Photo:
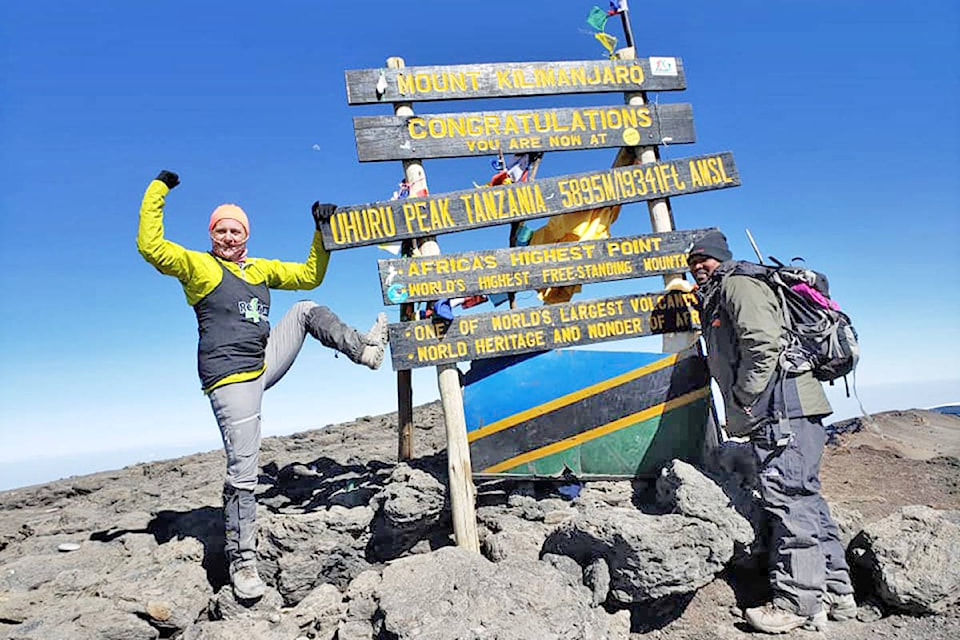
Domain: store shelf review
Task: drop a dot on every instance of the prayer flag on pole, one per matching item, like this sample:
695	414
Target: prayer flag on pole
607	40
597	18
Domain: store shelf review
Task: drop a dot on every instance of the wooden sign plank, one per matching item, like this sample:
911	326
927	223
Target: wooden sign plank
392	220
423	343
482	133
534	267
506	79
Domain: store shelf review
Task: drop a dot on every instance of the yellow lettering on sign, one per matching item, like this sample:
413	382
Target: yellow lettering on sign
615	328
670	262
566	335
586	272
425	332
363	224
552	254
632	246
682	319
440	288
544	77
438	82
492	204
450	264
565	141
521	319
416	128
442	351
518	78
623	74
483	145
708	171
510	342
595	120
591	310
642	303
717	171
504	280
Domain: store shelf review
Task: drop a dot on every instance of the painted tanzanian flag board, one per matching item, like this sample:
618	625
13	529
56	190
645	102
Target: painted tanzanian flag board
592	414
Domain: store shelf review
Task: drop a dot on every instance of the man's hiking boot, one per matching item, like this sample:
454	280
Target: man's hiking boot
247	584
374	342
840	606
772	619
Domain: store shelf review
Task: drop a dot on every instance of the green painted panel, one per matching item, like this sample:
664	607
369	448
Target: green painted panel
551	465
643	448
654	442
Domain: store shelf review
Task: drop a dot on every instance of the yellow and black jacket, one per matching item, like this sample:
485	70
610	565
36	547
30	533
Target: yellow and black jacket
232	303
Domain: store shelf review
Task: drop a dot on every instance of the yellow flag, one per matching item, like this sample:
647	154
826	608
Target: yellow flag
607	40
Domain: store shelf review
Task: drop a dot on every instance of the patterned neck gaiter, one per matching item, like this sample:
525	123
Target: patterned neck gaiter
233	253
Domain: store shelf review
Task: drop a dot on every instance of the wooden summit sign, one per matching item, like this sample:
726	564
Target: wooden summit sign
392	220
506	79
534	267
484	133
424	343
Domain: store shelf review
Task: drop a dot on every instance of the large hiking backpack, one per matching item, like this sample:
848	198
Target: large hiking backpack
820	338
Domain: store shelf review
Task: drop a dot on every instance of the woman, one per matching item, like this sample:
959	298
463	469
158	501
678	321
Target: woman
239	355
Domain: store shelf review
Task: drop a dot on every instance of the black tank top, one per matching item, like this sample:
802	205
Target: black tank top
233	325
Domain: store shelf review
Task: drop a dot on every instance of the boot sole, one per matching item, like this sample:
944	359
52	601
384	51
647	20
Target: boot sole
249	595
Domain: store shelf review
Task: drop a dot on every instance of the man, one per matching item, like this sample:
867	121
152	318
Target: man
781	414
240	355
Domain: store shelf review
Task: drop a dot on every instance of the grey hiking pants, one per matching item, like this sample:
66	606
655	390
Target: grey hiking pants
806	556
237	410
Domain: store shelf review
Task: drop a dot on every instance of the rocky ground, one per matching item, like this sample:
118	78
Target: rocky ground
355	546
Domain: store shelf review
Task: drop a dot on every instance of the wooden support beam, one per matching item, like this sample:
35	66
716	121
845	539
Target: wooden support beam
661	216
462	492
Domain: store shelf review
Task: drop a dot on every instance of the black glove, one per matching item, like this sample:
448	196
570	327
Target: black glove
322	212
168	178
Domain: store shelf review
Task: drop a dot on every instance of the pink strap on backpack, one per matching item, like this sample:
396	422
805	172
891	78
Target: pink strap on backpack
813	295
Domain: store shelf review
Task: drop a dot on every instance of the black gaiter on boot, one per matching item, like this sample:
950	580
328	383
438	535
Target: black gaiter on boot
240	520
324	325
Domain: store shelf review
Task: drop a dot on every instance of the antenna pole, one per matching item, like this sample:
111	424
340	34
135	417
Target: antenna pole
753	244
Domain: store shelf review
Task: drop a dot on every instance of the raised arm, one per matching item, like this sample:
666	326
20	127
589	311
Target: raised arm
168	257
308	274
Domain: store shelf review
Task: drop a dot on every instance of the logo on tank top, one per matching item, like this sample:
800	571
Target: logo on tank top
253	310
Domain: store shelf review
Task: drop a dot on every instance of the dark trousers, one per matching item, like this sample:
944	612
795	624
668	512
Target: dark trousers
806	556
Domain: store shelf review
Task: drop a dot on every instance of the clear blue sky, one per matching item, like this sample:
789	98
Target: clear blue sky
842	118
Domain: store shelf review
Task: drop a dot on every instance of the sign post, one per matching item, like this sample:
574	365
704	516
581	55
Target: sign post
412	171
448	380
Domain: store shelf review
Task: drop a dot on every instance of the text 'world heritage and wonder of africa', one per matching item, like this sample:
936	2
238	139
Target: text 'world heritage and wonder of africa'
488	335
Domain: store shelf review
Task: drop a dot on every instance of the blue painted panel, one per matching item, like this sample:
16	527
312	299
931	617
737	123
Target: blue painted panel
497	388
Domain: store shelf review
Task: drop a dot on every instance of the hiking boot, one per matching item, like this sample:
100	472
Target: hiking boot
377	335
371	356
772	619
817	622
374	342
247	584
840	606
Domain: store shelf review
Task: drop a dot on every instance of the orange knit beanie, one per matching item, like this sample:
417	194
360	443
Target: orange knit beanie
231	211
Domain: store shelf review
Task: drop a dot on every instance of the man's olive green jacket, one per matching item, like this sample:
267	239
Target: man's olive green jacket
744	330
